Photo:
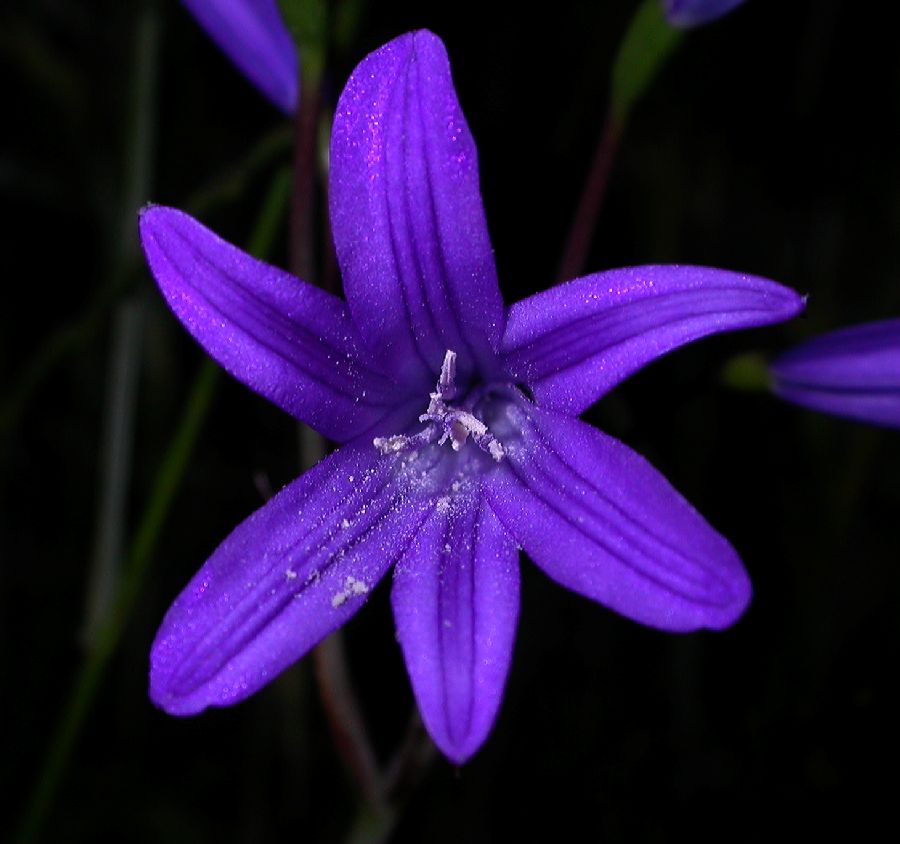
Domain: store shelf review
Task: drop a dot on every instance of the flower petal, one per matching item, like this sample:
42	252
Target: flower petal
294	571
291	342
456	602
253	35
573	343
685	13
599	519
853	372
406	212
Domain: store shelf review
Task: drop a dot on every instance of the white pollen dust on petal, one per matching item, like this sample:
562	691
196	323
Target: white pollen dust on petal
351	588
391	445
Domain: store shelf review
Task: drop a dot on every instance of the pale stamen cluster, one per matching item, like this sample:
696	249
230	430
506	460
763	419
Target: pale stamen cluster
451	423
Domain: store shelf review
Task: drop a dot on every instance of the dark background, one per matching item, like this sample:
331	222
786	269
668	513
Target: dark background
769	144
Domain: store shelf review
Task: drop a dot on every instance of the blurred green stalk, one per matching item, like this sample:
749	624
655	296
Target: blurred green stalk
123	368
109	635
165	488
647	44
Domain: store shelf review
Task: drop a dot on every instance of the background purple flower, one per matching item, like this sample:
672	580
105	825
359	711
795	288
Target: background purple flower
253	35
686	13
457	419
852	372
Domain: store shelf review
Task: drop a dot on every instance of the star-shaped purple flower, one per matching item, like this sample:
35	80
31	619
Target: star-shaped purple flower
852	372
253	35
457	420
687	13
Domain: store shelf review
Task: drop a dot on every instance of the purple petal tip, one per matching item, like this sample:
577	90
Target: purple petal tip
852	372
688	13
253	35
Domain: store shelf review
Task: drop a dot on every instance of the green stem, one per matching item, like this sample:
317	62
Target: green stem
162	496
231	184
109	635
116	449
125	349
645	47
262	240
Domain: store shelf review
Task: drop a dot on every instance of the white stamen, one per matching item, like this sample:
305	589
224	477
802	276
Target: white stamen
446	386
455	424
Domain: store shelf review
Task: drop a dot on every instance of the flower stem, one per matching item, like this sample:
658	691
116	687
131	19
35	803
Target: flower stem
345	719
375	824
303	198
231	184
109	635
125	349
165	488
646	45
410	761
581	232
117	444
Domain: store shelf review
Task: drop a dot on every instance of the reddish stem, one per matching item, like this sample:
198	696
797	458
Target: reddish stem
303	194
335	687
581	232
345	718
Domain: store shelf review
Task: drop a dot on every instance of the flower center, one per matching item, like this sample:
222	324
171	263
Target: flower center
445	422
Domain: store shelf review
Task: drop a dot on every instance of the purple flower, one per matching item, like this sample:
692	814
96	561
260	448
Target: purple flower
253	35
686	13
457	420
853	372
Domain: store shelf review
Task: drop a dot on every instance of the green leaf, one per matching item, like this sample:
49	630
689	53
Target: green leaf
747	372
307	21
648	42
